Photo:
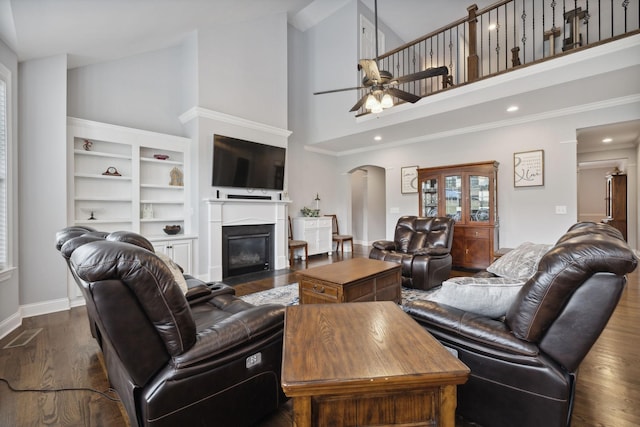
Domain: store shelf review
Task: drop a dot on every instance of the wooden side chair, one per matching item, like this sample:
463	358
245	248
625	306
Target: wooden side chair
337	237
296	244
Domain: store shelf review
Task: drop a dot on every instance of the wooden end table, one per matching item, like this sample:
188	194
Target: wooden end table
353	280
348	365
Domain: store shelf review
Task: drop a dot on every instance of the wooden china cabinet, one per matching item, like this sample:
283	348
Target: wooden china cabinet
468	193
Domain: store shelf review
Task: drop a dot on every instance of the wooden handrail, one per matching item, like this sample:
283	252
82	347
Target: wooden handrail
425	37
472	53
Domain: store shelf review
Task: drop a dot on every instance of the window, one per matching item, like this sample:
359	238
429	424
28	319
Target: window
4	176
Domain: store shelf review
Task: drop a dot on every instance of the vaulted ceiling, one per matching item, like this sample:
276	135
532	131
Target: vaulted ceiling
102	30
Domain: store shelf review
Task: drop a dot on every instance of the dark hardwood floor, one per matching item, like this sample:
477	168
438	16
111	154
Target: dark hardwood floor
64	355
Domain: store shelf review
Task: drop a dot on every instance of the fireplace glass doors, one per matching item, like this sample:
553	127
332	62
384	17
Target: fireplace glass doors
246	249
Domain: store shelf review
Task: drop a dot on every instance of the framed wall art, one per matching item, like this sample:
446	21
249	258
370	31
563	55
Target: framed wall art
409	179
528	169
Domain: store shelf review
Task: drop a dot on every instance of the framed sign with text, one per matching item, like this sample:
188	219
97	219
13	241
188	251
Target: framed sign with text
528	169
409	179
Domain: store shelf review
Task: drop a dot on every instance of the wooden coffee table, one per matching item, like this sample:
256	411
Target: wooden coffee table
366	364
354	280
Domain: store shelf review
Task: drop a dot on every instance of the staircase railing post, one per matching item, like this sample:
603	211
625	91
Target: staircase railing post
472	59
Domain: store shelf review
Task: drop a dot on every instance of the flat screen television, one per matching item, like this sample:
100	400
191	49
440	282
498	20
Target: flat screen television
246	164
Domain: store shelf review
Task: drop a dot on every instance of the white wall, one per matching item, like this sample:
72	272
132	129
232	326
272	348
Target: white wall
308	173
331	50
9	289
142	92
243	69
42	183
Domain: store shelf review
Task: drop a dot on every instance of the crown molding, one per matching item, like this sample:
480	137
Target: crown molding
78	122
204	113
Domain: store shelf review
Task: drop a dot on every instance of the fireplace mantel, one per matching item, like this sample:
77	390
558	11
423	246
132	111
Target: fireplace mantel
224	212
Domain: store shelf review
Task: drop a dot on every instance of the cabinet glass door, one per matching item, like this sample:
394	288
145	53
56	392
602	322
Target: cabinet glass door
479	203
430	197
453	196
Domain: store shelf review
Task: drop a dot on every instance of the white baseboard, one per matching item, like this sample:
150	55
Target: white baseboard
77	302
9	324
45	307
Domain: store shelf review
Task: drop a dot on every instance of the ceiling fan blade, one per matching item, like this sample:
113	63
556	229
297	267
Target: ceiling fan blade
338	90
370	68
429	72
360	103
405	96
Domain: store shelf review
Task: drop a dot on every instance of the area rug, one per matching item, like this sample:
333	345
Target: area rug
288	295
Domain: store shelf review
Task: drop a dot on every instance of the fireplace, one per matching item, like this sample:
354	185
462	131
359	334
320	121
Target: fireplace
223	212
246	249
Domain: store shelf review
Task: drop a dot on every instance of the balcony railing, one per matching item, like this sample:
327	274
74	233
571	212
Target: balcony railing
506	36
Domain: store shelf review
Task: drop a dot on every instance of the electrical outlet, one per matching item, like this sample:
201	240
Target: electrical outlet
394	210
561	210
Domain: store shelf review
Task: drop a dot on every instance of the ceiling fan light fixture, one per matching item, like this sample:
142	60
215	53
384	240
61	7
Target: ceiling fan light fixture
387	101
371	102
377	108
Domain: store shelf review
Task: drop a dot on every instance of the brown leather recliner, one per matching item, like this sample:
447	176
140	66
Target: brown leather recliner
524	368
201	358
423	247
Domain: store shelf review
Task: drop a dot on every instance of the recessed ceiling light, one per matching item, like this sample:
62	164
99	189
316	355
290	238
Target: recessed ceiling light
377	138
607	140
512	108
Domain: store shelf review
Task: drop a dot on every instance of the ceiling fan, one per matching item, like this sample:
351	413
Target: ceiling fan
381	83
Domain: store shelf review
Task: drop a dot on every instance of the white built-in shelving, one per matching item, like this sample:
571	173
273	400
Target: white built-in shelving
145	195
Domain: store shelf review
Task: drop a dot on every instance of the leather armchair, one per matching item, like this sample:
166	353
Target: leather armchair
201	358
423	247
524	367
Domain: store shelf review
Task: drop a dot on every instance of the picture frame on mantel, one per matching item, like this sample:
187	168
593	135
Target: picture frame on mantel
528	168
409	179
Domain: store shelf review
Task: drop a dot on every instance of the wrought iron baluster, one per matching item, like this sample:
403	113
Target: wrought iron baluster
524	33
506	39
533	30
599	20
497	41
586	21
413	68
625	4
482	47
611	18
450	58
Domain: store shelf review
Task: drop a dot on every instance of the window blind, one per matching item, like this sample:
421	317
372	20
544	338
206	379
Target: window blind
3	174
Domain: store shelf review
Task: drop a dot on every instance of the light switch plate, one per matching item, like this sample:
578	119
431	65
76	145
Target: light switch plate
561	210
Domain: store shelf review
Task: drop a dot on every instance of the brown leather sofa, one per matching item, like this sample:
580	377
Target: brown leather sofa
201	358
423	247
524	366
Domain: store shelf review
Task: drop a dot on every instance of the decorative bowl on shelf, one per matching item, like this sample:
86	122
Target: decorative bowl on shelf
160	156
172	229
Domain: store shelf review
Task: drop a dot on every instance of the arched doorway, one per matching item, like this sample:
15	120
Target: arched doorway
368	204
